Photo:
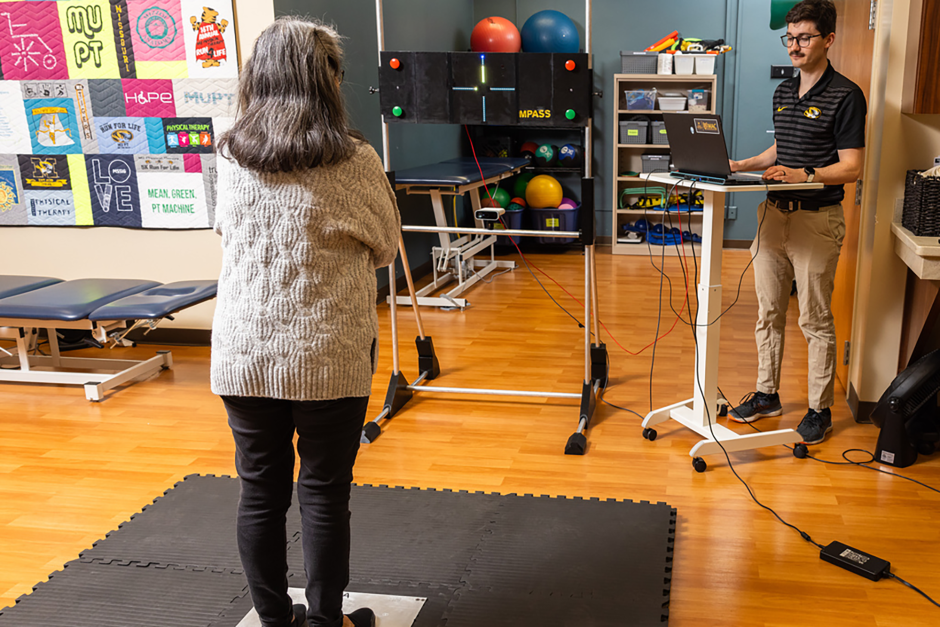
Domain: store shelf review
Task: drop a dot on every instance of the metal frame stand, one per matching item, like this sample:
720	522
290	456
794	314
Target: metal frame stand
400	391
96	383
454	260
460	251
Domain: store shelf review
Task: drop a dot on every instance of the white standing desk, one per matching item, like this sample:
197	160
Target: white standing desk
697	412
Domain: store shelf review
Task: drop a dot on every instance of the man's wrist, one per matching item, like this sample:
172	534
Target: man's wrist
810	174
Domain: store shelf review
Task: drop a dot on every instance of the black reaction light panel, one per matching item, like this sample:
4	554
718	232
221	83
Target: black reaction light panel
505	89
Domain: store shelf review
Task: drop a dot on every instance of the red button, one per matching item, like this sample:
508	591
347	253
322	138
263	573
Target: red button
394	64
569	65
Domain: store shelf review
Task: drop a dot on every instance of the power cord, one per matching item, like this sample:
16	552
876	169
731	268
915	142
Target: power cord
847	462
698	383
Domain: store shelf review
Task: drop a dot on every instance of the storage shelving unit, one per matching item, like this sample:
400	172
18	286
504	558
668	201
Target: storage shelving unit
627	157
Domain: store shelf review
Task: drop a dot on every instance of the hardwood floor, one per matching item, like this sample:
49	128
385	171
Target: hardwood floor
71	470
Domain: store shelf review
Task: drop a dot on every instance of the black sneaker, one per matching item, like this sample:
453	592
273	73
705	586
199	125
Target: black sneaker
755	406
363	617
299	619
815	426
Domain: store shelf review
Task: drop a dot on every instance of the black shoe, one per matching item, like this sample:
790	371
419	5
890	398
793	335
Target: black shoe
755	406
815	426
363	617
299	619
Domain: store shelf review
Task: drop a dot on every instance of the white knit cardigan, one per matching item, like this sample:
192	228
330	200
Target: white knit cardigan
295	317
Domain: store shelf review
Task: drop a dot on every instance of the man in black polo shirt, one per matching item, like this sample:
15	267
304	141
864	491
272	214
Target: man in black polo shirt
819	132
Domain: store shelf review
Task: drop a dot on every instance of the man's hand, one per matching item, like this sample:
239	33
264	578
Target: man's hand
735	165
785	174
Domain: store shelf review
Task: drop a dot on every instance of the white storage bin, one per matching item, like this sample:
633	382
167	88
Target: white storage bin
683	63
705	63
670	101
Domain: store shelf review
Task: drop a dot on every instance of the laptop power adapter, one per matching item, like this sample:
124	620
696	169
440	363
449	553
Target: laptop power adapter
855	561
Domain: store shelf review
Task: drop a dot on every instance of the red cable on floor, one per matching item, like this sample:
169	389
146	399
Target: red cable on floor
684	271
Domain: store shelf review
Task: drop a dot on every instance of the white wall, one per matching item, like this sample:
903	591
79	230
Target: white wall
74	253
898	142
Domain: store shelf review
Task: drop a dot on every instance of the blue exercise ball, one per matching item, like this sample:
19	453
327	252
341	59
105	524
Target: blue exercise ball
550	31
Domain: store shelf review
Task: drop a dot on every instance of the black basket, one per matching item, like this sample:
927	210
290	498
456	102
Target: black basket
921	214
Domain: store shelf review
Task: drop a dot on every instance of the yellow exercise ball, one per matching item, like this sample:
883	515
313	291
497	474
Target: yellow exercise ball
543	191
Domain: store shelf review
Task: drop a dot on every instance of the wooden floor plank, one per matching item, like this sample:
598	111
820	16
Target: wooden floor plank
71	471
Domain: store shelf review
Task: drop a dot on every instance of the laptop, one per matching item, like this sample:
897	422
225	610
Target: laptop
697	143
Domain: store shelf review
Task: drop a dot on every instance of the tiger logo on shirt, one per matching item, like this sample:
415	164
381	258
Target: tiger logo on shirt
812	113
210	45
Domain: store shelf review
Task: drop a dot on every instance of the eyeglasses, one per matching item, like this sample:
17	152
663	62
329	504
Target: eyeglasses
802	40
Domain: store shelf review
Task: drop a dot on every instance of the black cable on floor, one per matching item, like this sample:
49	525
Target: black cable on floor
912	587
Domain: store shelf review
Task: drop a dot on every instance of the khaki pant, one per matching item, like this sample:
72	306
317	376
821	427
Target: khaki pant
801	245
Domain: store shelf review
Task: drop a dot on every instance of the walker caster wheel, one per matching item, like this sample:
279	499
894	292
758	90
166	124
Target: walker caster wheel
576	445
370	432
699	464
649	434
722	410
800	451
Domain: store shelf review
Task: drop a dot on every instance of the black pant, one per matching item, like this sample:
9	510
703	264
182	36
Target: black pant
328	440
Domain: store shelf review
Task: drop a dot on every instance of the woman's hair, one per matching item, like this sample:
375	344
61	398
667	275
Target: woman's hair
291	114
822	13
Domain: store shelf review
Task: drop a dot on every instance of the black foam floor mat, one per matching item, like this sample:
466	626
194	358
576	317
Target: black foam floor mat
479	559
110	595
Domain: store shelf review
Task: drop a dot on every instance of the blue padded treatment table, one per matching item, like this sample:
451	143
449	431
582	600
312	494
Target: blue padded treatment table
458	172
109	308
456	177
157	302
13	285
70	300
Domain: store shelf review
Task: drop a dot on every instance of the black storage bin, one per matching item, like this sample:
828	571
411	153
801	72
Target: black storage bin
921	214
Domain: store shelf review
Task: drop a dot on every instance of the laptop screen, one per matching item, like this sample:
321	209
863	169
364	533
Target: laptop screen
697	144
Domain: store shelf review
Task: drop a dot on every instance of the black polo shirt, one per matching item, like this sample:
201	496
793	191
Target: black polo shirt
811	130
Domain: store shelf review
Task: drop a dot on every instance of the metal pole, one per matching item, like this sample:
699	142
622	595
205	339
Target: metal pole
411	286
527	393
587	314
587	30
394	306
597	334
380	35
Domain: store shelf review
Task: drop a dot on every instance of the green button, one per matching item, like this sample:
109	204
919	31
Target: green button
397	111
570	114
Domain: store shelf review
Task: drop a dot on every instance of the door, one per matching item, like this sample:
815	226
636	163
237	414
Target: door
851	55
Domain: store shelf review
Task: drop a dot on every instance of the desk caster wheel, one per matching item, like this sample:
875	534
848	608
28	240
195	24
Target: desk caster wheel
699	464
649	434
722	410
370	432
800	451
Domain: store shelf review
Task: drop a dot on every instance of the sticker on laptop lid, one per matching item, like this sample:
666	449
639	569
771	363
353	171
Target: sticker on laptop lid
707	126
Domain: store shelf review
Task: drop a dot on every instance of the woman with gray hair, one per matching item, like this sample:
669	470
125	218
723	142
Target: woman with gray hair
306	215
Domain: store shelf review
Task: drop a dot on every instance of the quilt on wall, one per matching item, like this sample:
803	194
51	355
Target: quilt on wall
110	110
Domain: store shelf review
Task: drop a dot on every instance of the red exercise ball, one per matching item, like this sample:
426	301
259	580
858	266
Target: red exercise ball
495	34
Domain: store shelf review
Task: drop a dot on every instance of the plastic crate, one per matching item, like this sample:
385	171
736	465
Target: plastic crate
921	212
551	219
658	133
683	63
705	63
634	132
513	221
655	163
638	62
698	99
640	99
